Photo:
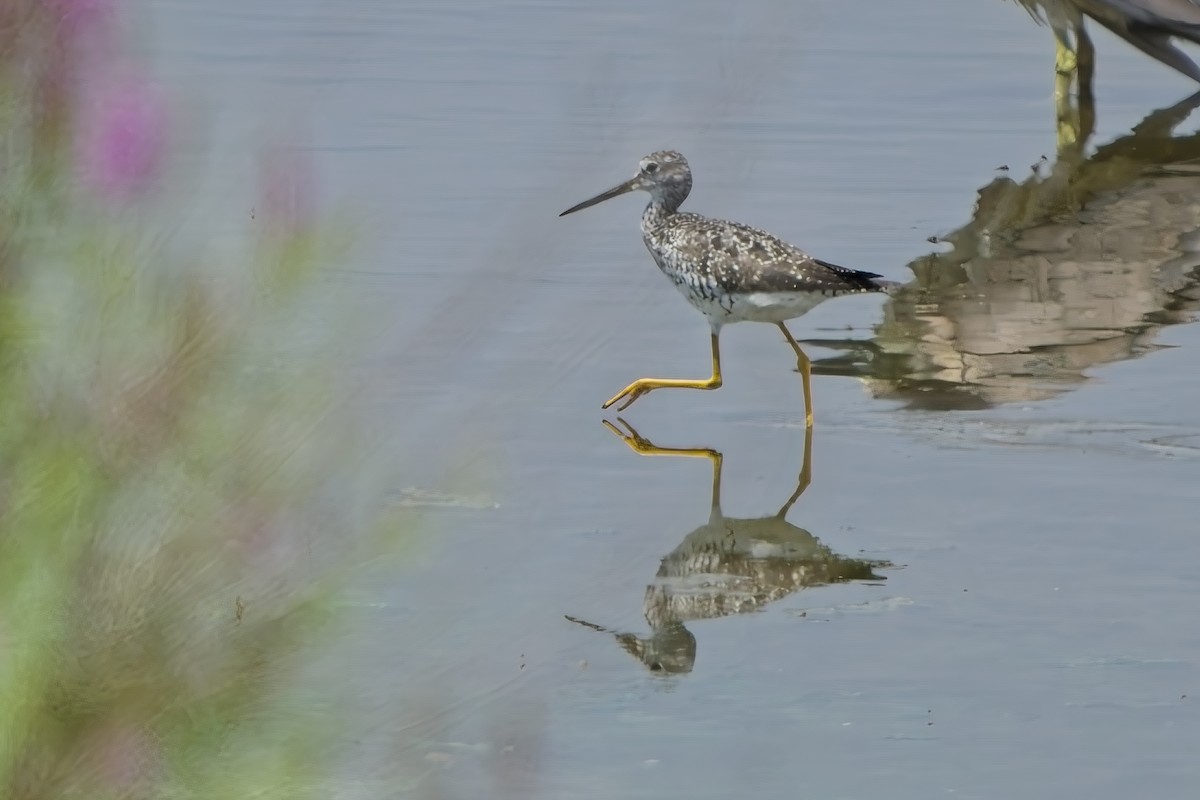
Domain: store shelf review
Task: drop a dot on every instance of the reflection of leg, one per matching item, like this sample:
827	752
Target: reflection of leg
643	385
1085	56
805	475
805	367
643	446
1085	65
1068	124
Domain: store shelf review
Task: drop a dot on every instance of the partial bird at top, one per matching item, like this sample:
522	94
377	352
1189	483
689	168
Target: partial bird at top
1148	25
728	271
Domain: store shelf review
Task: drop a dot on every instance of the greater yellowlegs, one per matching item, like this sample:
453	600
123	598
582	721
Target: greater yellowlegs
728	271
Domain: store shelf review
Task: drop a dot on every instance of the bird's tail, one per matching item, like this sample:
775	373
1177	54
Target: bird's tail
859	280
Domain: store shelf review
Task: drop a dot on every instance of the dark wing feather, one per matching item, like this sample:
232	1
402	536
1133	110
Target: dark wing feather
862	281
1178	16
1149	25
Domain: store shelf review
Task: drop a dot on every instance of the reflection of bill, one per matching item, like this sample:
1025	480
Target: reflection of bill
727	566
1067	270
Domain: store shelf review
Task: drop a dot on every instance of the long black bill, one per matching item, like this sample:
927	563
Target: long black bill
627	186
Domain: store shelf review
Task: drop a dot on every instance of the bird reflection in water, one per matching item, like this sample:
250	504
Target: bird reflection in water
1079	264
727	566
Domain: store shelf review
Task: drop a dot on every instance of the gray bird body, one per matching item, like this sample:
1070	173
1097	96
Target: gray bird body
735	273
1149	25
728	271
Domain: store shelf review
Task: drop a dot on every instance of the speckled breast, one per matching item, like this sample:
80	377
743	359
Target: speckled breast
701	288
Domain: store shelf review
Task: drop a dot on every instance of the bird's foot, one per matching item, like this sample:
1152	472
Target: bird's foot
645	385
631	392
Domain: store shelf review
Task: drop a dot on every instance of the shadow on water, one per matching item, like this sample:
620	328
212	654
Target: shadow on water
1078	265
727	566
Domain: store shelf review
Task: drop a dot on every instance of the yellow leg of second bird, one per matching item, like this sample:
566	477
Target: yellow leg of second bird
1074	63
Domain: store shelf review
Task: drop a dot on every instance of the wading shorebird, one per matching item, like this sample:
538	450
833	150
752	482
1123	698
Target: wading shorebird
728	271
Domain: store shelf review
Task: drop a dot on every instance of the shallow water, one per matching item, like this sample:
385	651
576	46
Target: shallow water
1015	434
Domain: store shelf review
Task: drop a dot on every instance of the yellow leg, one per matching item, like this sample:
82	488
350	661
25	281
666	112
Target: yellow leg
1066	60
643	385
1074	63
805	367
1066	69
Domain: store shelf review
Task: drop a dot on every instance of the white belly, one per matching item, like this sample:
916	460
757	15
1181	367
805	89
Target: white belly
725	309
775	307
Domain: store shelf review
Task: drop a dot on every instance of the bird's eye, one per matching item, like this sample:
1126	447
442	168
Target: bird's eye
650	168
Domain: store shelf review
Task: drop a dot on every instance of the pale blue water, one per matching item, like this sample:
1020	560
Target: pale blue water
1036	637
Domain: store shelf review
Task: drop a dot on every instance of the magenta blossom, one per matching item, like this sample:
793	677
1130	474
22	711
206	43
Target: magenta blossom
77	18
122	135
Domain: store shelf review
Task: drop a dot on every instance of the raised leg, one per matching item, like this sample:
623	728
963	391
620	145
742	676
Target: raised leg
805	367
644	385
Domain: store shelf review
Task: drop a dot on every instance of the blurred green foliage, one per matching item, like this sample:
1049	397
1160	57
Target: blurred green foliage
174	518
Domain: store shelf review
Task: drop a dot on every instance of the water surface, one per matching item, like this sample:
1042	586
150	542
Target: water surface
1005	455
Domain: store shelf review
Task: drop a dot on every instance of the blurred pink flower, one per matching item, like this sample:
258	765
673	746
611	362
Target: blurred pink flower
81	19
121	133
